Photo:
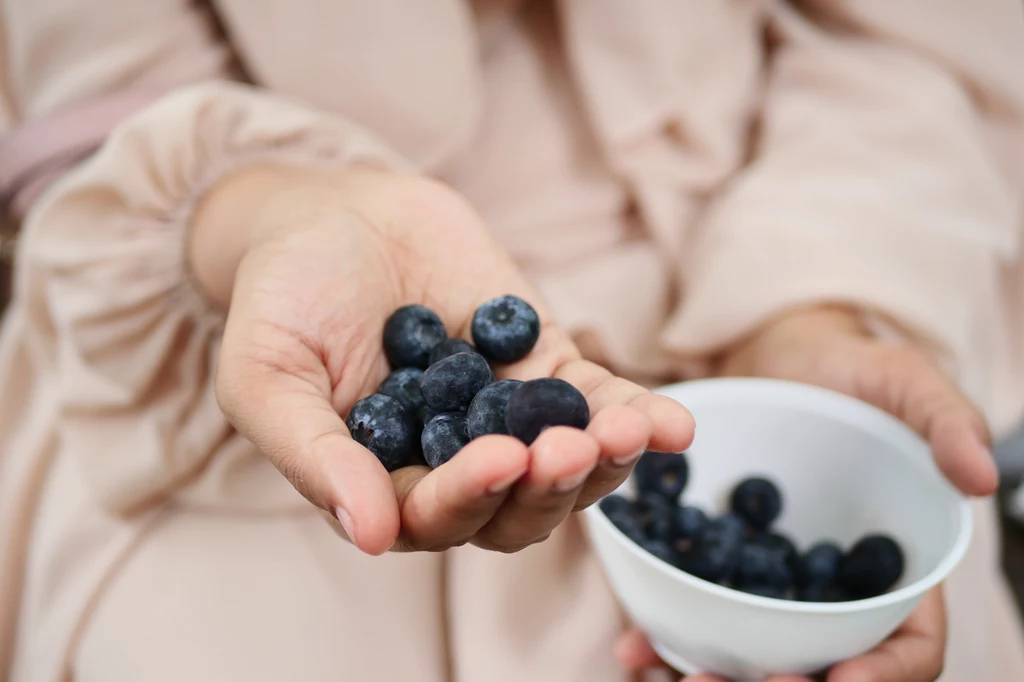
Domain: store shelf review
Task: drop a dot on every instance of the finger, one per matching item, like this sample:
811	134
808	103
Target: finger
447	506
634	652
291	420
789	678
560	460
622	434
914	653
704	677
911	387
555	355
960	452
672	425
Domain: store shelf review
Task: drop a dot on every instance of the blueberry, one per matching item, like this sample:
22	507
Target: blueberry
404	386
450	347
715	555
535	405
410	334
487	411
782	545
758	501
661	525
387	429
630	526
826	592
426	413
443	436
819	564
761	565
732	525
661	550
766	591
615	504
451	384
662	473
647	509
871	567
505	329
691	522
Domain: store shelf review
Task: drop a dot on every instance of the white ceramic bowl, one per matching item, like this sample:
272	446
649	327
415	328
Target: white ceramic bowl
845	469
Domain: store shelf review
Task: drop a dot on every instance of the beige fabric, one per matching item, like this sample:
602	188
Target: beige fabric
609	146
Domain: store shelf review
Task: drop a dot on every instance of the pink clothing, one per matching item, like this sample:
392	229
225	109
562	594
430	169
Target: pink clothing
874	155
35	154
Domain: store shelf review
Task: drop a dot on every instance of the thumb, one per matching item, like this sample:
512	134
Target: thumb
291	420
912	388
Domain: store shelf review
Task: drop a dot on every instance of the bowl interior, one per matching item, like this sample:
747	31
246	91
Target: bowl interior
844	468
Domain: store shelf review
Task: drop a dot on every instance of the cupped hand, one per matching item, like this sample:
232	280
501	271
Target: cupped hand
830	347
326	261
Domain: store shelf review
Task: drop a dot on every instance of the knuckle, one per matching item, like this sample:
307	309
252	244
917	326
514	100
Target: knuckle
497	544
290	466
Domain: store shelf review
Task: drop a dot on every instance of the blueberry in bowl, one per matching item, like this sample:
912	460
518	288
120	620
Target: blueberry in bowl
847	525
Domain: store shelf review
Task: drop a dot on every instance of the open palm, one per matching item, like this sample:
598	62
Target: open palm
303	344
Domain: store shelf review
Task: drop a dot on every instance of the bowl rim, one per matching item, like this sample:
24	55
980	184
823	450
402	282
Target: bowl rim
837	404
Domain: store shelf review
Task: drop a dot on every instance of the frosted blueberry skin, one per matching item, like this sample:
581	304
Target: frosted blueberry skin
505	329
404	386
541	403
487	411
451	384
450	347
386	428
410	334
443	437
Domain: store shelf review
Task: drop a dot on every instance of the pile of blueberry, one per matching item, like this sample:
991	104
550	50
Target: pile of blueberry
740	549
442	392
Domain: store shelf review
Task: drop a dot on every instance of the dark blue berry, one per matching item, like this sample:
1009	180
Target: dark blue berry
426	413
404	386
450	347
819	564
760	565
661	550
715	555
661	525
487	411
757	500
386	428
782	545
871	567
451	384
410	334
768	591
443	436
540	403
505	329
827	592
732	525
662	473
614	504
648	510
630	526
691	522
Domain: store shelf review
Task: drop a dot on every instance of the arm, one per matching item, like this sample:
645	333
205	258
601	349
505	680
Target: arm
883	180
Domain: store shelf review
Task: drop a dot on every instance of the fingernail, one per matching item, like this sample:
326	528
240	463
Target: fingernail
345	520
504	484
628	459
571	482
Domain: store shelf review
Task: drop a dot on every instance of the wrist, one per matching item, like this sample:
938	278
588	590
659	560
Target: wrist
256	204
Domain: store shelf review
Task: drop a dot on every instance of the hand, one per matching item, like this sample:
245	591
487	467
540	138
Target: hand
323	262
830	347
914	653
